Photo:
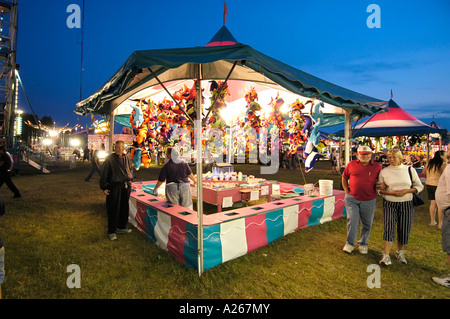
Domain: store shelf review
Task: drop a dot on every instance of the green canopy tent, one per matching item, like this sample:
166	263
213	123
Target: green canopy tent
158	69
148	68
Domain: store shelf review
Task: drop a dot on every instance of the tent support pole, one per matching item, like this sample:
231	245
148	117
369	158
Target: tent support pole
230	146
428	148
111	132
347	137
221	89
199	143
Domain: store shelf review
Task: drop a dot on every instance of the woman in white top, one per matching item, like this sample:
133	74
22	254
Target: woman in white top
398	209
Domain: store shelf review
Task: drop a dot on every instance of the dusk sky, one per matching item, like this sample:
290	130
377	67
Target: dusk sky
330	39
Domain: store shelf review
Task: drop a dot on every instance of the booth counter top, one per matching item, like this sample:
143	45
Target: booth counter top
141	191
145	197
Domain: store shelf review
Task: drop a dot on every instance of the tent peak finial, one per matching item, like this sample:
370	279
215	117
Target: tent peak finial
222	37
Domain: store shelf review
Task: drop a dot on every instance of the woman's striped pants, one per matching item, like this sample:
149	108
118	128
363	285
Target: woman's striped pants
398	217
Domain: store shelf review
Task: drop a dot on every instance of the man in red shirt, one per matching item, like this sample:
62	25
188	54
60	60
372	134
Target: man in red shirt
359	181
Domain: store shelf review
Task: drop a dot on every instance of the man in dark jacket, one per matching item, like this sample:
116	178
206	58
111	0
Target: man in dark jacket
5	172
115	181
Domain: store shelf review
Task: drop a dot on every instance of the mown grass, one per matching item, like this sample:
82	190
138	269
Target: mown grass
61	220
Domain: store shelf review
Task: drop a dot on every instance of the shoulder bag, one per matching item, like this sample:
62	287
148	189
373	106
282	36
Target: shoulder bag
417	197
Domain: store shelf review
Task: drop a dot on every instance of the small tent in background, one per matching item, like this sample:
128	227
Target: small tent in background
442	138
394	122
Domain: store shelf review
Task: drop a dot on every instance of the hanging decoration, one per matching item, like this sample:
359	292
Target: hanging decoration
139	125
311	153
295	127
276	117
154	122
252	117
219	91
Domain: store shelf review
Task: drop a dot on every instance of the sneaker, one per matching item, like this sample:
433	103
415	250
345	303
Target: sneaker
443	280
386	260
363	249
401	256
348	248
112	237
123	231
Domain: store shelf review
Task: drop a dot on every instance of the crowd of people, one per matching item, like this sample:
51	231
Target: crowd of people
389	174
396	180
363	179
289	160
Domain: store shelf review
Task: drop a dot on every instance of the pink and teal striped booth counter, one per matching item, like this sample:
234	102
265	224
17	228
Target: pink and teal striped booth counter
228	234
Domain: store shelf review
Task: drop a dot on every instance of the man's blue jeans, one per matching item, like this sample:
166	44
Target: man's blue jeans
2	265
357	211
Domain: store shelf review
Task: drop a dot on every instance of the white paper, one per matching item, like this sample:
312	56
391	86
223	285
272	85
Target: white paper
194	191
227	202
254	195
264	190
275	189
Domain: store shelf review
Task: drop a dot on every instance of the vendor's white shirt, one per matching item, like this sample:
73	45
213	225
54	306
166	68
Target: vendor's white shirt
443	190
396	178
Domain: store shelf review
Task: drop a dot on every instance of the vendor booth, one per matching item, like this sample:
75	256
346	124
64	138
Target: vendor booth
195	97
232	233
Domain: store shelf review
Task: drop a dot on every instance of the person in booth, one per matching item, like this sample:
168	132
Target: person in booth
176	173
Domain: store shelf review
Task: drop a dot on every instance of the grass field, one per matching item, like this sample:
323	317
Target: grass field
61	220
